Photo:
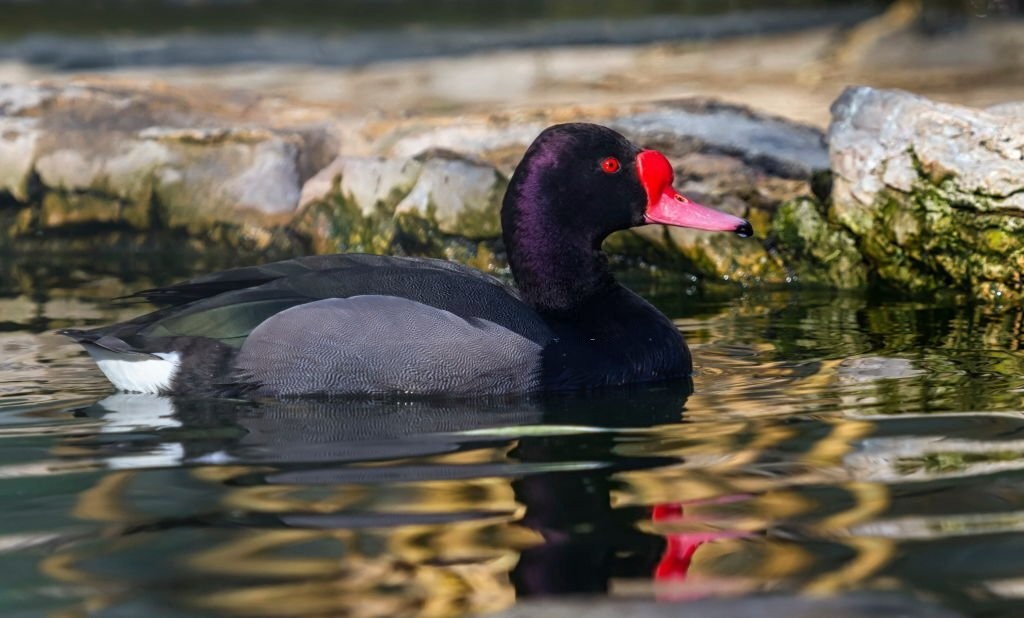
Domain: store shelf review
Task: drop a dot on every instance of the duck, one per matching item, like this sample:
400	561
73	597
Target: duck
358	325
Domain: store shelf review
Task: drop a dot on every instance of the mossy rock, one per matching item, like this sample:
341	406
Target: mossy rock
933	193
817	250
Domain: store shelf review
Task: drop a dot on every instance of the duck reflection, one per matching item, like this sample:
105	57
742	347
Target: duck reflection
387	508
586	542
309	431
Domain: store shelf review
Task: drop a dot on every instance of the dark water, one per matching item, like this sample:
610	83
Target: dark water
68	35
833	444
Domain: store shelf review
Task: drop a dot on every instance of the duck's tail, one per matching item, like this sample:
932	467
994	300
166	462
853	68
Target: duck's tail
158	366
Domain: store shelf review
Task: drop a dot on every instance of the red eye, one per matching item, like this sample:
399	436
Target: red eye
610	165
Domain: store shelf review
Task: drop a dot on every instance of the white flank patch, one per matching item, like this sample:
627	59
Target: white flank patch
137	373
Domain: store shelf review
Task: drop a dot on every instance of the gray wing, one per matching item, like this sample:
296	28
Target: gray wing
226	306
377	345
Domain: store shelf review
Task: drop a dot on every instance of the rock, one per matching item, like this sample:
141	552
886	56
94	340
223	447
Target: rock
460	196
932	192
818	251
777	146
19	138
370	182
82	155
769	144
437	203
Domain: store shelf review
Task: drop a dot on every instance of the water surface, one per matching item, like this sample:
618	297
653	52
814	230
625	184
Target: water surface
832	443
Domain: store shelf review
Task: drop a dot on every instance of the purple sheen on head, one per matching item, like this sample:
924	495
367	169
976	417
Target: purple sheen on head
532	224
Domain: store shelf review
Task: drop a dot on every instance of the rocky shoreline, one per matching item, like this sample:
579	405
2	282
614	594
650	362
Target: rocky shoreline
919	195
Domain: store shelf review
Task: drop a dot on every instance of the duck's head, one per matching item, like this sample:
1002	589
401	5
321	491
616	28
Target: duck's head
586	181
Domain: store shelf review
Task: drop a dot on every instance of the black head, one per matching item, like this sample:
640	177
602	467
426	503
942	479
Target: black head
576	184
589	181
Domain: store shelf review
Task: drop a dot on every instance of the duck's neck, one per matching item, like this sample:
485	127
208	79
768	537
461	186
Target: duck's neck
557	272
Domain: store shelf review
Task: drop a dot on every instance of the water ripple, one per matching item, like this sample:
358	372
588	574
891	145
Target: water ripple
830	445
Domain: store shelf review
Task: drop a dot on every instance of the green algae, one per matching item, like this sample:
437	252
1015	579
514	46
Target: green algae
814	249
939	238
